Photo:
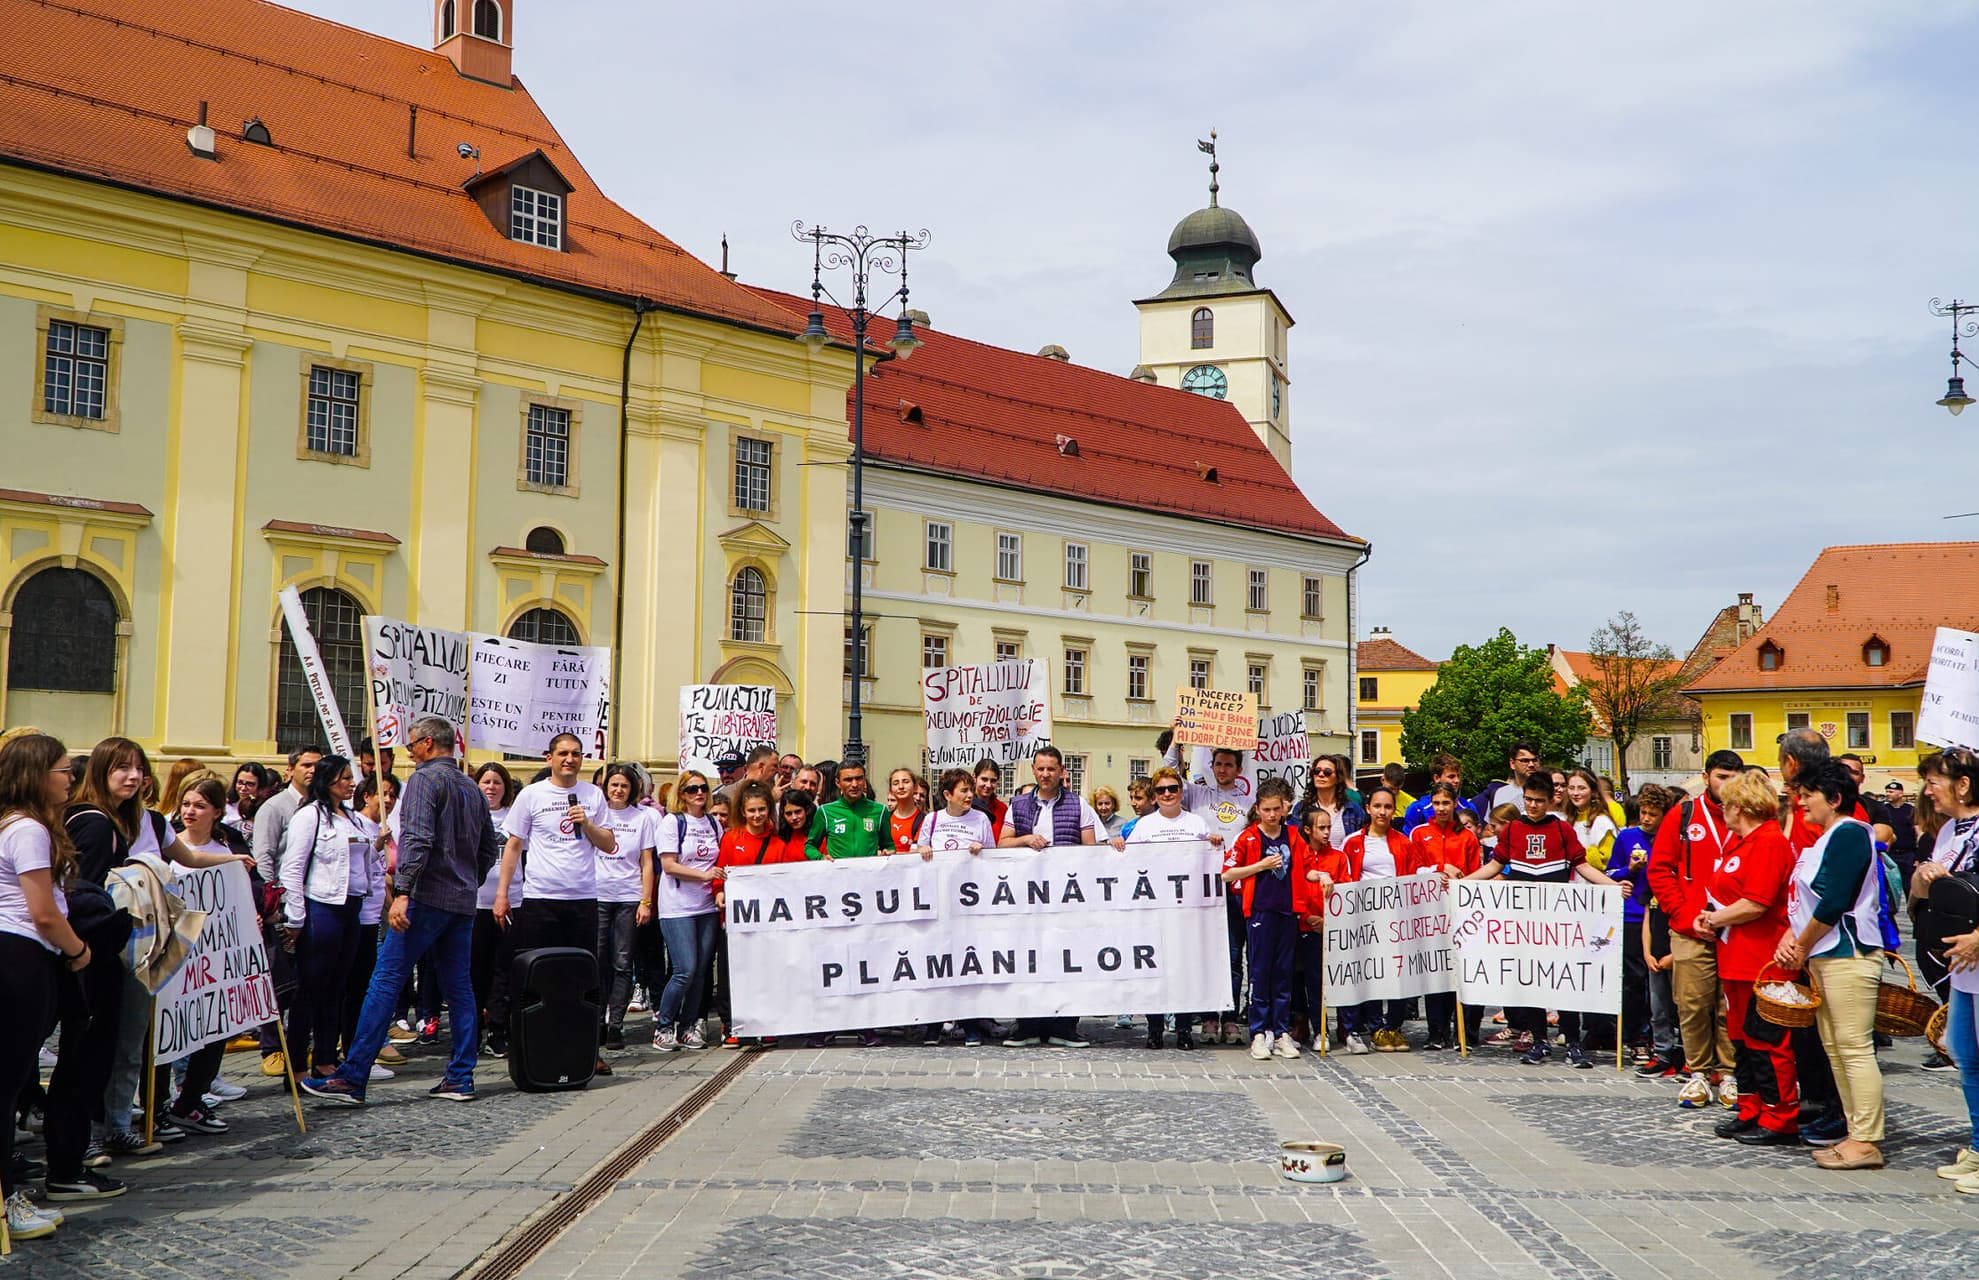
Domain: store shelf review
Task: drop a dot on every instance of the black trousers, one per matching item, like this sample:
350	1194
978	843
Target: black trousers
1635	991
27	992
89	1005
202	1069
547	922
1046	1028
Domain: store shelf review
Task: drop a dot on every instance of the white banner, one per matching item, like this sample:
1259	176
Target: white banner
1547	946
1008	933
1283	751
521	695
1388	940
224	987
716	719
414	672
1948	714
318	678
999	710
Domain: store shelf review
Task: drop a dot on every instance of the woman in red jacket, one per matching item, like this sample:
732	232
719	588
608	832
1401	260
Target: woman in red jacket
1378	852
1270	861
1445	845
1329	867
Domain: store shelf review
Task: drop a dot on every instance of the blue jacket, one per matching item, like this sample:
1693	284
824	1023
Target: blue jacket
1419	813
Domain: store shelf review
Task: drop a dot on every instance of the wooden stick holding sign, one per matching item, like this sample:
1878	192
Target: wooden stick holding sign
1212	718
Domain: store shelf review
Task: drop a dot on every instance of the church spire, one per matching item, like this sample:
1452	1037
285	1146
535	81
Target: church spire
1210	148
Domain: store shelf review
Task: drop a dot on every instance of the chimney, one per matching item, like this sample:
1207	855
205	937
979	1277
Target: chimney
1381	633
476	36
199	138
1834	598
1142	373
1748	615
1055	352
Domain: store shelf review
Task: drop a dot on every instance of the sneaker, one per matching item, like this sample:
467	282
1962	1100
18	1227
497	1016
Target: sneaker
21	1169
1261	1045
390	1057
1125	1022
167	1131
638	1002
332	1089
1966	1161
1536	1056
1728	1092
199	1120
24	1221
1185	1040
226	1092
666	1040
823	1038
453	1091
1435	1044
497	1045
379	1071
88	1185
970	1041
1578	1059
429	1031
93	1157
1938	1062
1286	1047
1066	1042
614	1038
1356	1043
599	1067
241	1044
1022	1042
1656	1068
1828	1131
401	1031
1233	1033
869	1039
1696	1091
694	1039
122	1142
1505	1039
1969	1184
735	1042
275	1064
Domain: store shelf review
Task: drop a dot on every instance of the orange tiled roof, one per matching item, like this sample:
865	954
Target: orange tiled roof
1897	592
104	90
998	415
1387	655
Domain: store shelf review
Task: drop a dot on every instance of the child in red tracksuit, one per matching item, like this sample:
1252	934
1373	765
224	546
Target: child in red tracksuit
1270	861
1330	866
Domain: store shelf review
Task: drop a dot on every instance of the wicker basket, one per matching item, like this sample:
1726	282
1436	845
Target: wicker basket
1934	1030
1785	1015
1904	1011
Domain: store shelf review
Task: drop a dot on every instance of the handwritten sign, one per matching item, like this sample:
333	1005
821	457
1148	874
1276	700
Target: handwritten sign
1283	751
1539	945
521	695
1948	713
316	675
719	719
413	672
1388	940
224	987
1213	718
997	710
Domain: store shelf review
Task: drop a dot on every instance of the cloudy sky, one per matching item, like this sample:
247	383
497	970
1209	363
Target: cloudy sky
1599	307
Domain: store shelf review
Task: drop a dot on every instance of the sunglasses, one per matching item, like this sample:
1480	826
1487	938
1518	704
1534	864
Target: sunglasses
694	790
1324	773
1167	791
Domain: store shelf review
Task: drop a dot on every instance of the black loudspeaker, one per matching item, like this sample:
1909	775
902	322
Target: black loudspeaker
554	999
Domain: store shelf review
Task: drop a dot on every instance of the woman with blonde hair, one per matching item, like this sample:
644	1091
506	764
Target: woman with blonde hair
680	891
1106	804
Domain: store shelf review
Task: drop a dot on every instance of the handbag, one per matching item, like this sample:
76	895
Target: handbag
1951	904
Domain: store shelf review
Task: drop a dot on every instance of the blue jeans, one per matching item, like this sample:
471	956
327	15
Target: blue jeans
324	956
1962	1038
690	946
448	936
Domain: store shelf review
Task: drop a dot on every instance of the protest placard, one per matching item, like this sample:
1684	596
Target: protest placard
315	676
521	695
413	671
1948	713
1213	718
998	710
875	942
717	719
1388	940
1539	945
1283	751
224	987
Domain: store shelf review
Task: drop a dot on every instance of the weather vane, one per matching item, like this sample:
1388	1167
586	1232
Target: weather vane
1209	148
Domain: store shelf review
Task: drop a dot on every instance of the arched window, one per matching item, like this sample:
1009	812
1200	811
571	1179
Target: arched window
65	634
488	19
543	541
1202	329
336	621
545	626
748	606
446	19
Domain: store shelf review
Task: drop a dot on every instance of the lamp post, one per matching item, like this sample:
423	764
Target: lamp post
1955	398
865	254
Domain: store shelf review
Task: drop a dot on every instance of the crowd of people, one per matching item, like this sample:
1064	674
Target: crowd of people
388	904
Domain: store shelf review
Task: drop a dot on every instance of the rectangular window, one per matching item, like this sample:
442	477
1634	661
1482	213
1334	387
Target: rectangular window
1858	731
1370	746
934	652
1009	651
1741	729
333	412
1798	719
1370	688
1199	673
865	652
1075	672
1254	681
1660	752
76	374
1315	597
859	544
940	541
1312	688
1140	575
1903	730
546	447
1137	677
1257	599
535	217
752	474
1200	583
1009	557
1075	566
1075	775
1138	767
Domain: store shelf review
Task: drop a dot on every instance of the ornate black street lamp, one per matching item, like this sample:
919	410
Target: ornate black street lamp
1955	398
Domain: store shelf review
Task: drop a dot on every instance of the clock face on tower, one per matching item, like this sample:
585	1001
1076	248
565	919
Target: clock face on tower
1206	380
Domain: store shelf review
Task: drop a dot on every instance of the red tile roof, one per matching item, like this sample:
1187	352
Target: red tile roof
998	415
105	90
1897	592
1387	655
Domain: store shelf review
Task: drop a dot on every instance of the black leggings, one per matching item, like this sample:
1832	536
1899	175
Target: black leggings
90	1005
27	993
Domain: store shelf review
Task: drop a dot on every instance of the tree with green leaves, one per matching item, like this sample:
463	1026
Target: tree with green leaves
1635	683
1489	696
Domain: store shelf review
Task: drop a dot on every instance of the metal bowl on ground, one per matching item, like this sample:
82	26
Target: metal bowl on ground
1312	1161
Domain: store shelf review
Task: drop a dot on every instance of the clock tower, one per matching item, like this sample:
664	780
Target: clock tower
1214	330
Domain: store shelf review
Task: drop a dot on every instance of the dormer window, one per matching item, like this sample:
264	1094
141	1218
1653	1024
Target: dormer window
535	217
1876	652
1770	656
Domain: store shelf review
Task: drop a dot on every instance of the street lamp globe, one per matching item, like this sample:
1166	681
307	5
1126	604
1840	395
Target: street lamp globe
814	335
1955	398
903	341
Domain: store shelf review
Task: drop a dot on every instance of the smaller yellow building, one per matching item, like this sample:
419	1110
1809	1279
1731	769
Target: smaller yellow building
1845	654
1391	679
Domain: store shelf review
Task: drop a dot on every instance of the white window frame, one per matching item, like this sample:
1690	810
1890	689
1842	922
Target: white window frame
331	415
1257	595
75	383
535	217
1662	751
1015	650
1313	596
1009	556
1201	672
543	448
1254	680
1313	688
1075	775
1139	671
938	543
1140	575
755	476
934	651
1078	562
1075	672
1202	584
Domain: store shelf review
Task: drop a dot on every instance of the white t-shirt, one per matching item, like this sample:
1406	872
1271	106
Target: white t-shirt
618	871
1946	852
1377	858
1088	819
484	898
943	830
1510	793
677	897
562	863
24	846
1152	828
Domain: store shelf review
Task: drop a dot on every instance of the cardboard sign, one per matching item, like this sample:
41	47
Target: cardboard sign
521	695
716	719
413	672
224	987
1213	718
317	677
1282	751
1948	713
999	710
